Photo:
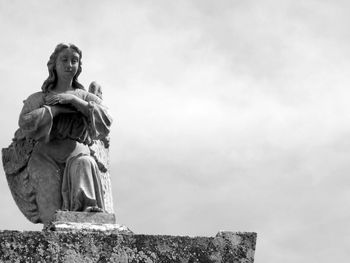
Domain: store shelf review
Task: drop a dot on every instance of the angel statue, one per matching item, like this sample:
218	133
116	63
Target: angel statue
58	159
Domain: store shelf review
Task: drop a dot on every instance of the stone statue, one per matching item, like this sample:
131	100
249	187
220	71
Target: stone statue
58	159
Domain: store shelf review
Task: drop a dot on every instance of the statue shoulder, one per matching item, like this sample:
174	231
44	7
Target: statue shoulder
36	98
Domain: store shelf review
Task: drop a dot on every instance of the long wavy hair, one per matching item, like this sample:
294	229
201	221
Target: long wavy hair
51	81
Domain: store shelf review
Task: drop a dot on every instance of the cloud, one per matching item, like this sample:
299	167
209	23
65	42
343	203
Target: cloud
228	115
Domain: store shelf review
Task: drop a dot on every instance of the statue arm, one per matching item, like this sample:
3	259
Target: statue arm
35	119
61	103
99	119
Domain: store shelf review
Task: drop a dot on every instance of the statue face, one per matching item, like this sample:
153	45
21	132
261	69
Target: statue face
67	63
96	89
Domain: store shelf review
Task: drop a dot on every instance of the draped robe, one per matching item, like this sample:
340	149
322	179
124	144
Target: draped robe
61	170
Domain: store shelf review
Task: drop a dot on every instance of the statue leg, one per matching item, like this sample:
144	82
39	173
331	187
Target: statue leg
45	176
81	186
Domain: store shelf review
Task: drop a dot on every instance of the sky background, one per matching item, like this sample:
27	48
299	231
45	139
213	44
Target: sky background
228	115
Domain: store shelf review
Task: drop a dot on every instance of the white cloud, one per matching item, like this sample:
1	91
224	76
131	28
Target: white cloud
229	115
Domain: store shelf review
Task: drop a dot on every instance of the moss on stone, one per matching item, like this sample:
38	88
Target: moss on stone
83	246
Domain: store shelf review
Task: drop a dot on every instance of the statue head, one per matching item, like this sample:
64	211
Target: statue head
51	81
96	89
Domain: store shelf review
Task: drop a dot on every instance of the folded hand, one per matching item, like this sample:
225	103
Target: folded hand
63	98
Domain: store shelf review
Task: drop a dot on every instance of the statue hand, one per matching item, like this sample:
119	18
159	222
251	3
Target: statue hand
63	98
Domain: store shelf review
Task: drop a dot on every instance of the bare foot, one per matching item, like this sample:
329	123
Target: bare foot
93	209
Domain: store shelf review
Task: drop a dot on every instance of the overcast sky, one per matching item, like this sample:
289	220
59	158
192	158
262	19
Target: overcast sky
229	115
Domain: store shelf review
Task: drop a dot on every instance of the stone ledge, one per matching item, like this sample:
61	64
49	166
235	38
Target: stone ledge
85	221
88	227
83	246
84	217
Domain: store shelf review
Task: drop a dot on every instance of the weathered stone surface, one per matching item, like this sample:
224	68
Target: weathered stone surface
90	221
15	159
84	217
69	226
100	151
50	246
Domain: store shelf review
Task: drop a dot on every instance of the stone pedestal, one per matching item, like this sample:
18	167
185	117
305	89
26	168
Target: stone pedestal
97	246
77	221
